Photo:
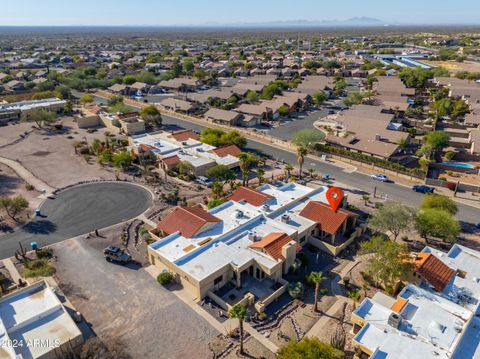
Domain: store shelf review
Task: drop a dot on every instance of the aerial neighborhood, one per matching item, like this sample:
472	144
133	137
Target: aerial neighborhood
284	192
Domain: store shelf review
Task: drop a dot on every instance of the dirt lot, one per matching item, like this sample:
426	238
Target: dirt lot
50	155
455	66
126	304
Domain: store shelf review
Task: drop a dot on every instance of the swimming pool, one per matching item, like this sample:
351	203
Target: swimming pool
461	165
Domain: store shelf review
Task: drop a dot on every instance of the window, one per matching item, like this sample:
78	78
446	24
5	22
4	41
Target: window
302	239
218	280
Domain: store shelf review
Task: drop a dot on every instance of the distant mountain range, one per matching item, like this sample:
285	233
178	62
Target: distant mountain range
353	22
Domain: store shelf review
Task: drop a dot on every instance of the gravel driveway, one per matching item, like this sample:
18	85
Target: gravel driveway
127	305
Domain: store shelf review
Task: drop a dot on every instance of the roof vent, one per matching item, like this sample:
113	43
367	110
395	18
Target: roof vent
238	213
394	320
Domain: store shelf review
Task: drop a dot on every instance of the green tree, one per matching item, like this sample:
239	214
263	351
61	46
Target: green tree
185	168
261	175
316	278
151	115
40	117
388	264
246	161
13	205
252	96
221	173
307	138
438	223
309	348
354	98
217	190
437	140
394	217
319	98
284	111
437	201
301	153
87	98
233	138
122	159
239	312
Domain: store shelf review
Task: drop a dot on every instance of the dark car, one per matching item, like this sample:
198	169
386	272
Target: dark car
115	254
423	189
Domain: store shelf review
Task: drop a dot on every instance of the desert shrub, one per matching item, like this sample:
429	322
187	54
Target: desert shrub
165	278
38	268
44	253
29	187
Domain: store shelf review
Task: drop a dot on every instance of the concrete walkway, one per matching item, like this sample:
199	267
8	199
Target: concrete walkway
257	335
27	176
10	267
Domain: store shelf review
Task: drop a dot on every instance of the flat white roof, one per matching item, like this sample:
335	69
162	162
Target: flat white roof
193	151
28	105
31	314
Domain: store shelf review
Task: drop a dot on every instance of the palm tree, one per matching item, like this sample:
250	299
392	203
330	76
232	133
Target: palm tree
245	162
260	175
239	312
366	199
301	153
288	169
311	171
317	278
217	190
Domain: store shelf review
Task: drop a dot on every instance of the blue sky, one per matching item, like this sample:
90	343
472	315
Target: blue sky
194	12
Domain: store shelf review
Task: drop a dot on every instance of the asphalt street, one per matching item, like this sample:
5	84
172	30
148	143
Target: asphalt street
358	180
79	210
393	191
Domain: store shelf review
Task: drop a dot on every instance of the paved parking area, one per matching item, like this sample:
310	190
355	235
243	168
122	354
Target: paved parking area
126	305
287	130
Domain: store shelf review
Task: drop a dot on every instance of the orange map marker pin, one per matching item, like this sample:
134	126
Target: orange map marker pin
334	197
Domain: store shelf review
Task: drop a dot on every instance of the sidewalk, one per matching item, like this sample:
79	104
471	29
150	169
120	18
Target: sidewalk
27	176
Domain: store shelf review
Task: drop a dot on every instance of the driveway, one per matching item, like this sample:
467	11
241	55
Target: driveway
126	307
79	210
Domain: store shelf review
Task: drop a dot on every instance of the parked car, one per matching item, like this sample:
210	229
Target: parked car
204	180
115	254
379	177
423	189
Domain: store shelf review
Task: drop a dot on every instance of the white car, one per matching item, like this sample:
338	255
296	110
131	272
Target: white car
379	177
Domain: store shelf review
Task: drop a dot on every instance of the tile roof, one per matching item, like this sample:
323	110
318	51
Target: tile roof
433	270
144	147
186	220
328	220
185	135
224	151
171	161
273	243
251	196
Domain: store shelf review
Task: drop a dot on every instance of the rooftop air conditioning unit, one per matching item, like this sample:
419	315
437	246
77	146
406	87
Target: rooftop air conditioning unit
394	320
238	213
378	137
285	218
251	236
266	207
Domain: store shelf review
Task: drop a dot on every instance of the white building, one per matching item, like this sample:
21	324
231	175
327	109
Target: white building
437	318
35	324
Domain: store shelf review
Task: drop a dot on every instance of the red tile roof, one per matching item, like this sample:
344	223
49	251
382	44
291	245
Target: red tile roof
185	135
171	161
144	147
433	270
186	220
251	196
224	151
328	220
273	243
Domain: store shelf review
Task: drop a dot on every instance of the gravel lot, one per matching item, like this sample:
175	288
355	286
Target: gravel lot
126	304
